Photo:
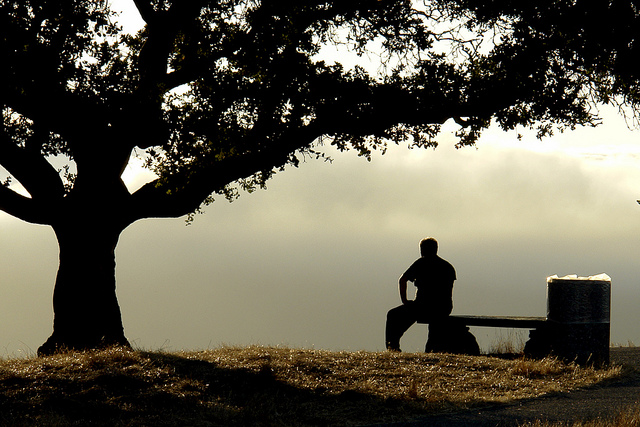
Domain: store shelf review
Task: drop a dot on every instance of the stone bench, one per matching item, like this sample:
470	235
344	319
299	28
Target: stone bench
582	342
452	335
576	328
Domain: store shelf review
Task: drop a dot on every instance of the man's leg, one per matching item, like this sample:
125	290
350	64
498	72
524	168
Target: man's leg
399	319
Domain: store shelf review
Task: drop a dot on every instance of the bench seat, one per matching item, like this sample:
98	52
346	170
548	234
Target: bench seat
498	321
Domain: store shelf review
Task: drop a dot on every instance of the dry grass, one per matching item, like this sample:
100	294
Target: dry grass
507	341
267	386
629	417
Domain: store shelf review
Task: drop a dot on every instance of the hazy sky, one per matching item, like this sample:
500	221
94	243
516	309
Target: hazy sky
313	261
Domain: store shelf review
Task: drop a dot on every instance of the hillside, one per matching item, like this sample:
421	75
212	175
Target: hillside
266	386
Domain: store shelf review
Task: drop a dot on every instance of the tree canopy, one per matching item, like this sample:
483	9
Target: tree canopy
219	92
217	95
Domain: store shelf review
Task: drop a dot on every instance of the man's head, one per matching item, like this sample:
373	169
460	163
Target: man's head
428	247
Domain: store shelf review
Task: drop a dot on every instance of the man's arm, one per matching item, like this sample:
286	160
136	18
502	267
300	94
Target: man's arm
402	285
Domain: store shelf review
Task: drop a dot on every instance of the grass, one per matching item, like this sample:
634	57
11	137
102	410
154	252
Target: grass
267	386
507	342
629	417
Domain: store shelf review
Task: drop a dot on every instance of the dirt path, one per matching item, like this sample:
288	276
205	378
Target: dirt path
604	401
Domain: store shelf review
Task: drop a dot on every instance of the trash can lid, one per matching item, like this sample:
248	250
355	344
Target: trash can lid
602	277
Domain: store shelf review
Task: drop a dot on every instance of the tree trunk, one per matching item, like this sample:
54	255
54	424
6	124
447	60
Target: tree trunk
86	310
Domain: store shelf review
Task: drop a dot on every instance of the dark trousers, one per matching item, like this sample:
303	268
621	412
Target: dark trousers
400	319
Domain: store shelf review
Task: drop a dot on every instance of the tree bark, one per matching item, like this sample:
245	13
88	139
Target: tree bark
86	310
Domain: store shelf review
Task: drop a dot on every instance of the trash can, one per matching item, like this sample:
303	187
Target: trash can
578	314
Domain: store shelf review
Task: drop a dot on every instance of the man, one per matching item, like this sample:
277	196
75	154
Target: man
433	277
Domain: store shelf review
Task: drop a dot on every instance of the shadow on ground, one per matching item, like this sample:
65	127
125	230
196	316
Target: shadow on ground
168	390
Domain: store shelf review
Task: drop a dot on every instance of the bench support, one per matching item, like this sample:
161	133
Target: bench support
580	343
451	337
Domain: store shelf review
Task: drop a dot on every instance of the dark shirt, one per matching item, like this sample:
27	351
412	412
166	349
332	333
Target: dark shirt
434	277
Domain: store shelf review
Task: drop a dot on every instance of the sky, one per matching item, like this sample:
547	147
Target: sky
314	260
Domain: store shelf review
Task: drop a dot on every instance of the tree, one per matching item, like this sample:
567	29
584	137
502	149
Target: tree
219	95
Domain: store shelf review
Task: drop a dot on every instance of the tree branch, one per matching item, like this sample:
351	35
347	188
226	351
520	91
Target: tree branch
155	200
153	61
32	170
162	28
57	111
145	9
22	207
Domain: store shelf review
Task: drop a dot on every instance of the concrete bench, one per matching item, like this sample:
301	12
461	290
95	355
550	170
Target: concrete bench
452	335
580	342
576	328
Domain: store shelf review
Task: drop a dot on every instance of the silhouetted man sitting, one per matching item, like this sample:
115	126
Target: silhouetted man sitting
433	277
